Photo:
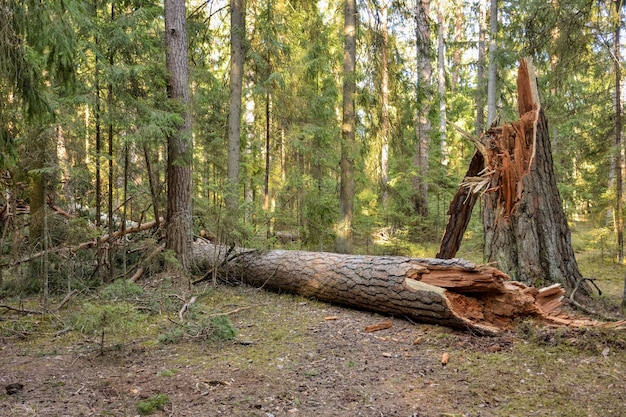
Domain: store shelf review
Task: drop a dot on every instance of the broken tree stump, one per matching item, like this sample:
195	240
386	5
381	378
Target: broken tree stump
450	292
526	231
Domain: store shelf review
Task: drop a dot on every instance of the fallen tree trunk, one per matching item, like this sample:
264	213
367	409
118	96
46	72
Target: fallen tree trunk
449	292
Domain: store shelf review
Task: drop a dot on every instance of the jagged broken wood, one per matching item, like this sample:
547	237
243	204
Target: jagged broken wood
450	292
525	227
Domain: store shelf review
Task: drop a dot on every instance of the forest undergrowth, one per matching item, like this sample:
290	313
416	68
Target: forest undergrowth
163	347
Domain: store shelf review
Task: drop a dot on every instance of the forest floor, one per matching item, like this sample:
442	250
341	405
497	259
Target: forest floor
292	356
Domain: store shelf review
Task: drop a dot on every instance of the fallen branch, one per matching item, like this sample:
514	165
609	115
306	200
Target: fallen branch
147	261
22	310
84	245
185	308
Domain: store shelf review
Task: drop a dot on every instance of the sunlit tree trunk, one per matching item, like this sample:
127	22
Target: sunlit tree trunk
346	186
110	155
266	178
480	74
423	90
526	230
98	127
423	95
249	123
619	219
237	48
458	38
441	79
491	87
153	189
384	121
179	144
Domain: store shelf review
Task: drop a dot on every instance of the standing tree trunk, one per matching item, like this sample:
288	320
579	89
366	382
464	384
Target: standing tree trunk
458	39
346	186
384	119
480	73
179	145
423	92
526	231
266	177
237	36
441	80
491	83
619	218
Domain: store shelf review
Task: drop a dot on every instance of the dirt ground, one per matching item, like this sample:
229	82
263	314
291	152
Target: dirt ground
299	357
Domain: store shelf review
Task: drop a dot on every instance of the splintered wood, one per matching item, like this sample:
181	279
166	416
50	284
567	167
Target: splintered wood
511	147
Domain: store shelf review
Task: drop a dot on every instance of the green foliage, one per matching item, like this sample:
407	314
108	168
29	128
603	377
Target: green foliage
171	336
220	328
170	261
114	320
151	405
214	328
121	289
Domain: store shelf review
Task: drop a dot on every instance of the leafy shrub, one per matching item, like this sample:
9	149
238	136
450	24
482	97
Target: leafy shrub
172	336
221	328
121	289
152	404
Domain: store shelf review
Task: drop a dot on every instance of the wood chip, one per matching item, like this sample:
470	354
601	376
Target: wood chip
380	326
494	348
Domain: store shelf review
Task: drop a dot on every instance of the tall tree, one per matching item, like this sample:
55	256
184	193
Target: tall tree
384	93
619	216
492	74
348	127
480	72
179	143
441	79
423	95
237	48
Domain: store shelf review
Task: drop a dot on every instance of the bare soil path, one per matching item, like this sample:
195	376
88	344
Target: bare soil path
298	357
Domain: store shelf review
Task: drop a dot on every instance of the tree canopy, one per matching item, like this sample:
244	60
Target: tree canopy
85	116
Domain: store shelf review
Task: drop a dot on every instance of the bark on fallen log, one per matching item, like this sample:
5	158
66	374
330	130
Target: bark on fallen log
449	292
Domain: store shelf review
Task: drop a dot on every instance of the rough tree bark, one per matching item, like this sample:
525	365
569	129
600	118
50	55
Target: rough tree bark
453	293
237	53
526	231
423	93
179	145
460	211
346	183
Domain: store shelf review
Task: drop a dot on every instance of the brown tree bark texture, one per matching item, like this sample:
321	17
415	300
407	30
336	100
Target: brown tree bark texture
460	212
526	230
449	292
179	144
